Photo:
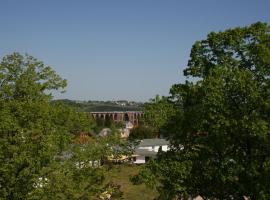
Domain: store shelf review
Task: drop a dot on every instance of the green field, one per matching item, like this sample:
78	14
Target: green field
120	174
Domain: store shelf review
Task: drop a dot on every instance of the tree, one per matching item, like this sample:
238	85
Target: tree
33	131
142	132
157	112
222	120
244	48
26	78
108	121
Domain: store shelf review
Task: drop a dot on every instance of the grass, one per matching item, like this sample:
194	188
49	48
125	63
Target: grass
120	174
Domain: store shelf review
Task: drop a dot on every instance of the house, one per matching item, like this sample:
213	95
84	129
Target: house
105	132
124	132
129	125
148	148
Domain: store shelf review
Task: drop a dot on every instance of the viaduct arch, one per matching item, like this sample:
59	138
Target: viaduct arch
118	116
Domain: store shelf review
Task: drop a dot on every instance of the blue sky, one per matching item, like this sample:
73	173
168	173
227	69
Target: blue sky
118	49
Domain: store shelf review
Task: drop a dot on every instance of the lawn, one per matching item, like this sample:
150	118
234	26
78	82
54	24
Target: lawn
120	174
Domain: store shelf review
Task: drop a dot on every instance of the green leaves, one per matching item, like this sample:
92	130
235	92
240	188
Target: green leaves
24	77
33	132
222	120
244	48
157	112
142	132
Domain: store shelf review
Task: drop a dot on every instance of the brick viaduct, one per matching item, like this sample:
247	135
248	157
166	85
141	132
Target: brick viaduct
116	116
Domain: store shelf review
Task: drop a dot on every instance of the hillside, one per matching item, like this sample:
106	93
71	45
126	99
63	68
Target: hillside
94	106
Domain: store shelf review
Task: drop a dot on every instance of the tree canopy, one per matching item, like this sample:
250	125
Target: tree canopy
35	132
244	48
220	134
142	132
157	112
26	78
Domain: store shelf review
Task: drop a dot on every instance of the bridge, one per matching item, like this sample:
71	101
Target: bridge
120	116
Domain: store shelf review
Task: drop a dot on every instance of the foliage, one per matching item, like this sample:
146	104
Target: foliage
112	191
167	174
108	121
33	132
142	132
116	149
157	112
120	175
244	48
80	173
68	181
26	78
220	134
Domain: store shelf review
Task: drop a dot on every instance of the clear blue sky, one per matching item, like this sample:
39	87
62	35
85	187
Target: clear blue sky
118	49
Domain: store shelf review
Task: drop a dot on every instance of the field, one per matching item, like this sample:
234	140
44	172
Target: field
120	175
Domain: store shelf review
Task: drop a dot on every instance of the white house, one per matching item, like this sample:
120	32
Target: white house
124	132
148	148
129	125
105	132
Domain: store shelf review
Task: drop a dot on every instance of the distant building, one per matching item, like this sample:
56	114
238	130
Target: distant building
129	125
105	132
124	132
148	148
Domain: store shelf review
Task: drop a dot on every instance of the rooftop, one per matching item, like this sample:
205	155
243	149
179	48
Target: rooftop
144	152
153	142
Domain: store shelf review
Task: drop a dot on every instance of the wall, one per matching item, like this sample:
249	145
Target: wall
155	148
140	160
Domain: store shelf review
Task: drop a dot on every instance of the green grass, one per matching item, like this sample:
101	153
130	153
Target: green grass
120	174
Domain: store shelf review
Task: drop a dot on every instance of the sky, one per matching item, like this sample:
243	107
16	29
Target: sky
118	49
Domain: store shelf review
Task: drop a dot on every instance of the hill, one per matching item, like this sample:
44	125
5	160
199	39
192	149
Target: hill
102	106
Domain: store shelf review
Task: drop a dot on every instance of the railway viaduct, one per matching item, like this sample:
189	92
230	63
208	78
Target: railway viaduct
119	116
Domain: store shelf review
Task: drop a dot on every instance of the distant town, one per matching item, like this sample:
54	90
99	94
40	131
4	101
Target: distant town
100	106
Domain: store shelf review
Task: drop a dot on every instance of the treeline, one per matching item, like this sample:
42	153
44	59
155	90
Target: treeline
103	106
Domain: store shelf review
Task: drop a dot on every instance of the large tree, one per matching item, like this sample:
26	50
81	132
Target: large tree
221	135
33	132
